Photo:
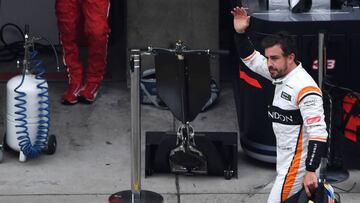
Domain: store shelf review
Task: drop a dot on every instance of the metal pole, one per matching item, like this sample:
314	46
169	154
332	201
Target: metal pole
135	130
320	81
321	59
135	195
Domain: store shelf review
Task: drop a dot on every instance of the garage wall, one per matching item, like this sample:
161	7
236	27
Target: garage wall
39	14
163	22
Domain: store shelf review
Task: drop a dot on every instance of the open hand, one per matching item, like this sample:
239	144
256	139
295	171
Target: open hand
241	19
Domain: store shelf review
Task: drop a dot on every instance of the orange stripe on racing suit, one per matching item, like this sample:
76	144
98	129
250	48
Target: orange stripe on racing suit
307	90
293	170
318	138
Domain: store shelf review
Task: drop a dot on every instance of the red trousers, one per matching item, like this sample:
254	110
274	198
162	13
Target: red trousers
79	22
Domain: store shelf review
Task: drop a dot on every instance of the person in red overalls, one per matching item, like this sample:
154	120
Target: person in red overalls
83	21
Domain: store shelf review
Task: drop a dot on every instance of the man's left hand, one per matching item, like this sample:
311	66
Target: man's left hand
310	183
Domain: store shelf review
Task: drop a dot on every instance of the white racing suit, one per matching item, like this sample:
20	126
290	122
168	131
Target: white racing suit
297	117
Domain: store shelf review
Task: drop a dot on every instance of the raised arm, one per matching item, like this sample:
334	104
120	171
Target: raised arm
251	58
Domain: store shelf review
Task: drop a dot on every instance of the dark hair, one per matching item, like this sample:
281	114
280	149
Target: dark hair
286	42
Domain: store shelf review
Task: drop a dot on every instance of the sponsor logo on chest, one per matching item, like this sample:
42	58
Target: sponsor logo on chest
285	96
277	116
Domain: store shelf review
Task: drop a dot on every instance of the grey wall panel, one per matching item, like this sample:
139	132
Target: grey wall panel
39	14
162	22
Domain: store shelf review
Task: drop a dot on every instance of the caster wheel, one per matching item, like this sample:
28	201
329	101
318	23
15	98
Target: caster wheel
51	145
228	174
22	157
2	148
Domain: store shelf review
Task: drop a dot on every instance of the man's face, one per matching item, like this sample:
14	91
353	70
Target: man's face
277	63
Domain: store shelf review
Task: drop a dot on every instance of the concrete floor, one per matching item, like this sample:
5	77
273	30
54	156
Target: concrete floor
92	160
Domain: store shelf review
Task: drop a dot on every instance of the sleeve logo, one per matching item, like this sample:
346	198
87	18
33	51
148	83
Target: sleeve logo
312	120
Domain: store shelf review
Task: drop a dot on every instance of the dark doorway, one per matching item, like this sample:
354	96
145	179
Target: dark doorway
116	69
228	64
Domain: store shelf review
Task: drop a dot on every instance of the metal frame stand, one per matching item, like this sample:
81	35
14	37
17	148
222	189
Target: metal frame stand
135	195
182	79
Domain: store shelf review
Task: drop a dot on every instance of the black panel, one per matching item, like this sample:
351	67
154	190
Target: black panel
309	53
354	66
183	83
170	83
198	68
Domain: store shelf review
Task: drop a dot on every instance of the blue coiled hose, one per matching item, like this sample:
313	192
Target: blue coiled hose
40	143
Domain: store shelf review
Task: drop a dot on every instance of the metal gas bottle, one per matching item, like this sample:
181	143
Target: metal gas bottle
23	109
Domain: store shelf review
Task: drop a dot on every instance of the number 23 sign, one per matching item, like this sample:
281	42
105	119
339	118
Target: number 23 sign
330	64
